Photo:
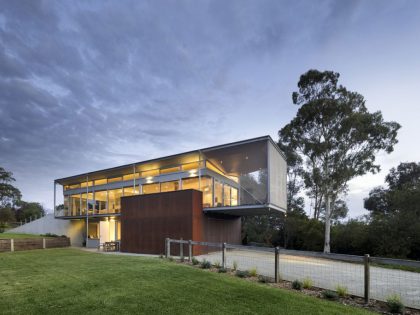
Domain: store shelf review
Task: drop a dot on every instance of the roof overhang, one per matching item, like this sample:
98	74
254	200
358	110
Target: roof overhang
247	210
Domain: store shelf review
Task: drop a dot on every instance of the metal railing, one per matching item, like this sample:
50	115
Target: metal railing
364	276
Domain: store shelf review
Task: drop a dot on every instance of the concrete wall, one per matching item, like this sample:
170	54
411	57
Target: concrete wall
74	229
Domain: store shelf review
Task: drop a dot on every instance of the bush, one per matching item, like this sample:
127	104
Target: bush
341	291
195	261
217	264
297	285
253	272
51	235
235	265
330	295
307	283
395	304
171	259
205	264
263	279
242	274
222	270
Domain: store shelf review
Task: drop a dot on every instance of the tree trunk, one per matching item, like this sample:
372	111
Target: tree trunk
327	224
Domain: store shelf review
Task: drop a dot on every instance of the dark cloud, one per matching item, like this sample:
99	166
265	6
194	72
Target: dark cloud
86	85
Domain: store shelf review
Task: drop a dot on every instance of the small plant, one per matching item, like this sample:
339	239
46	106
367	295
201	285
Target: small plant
161	256
395	305
235	265
205	264
195	261
217	264
307	283
297	285
330	295
263	279
171	259
222	270
242	274
341	291
253	272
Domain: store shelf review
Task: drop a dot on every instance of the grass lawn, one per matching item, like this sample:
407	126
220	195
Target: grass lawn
18	235
71	281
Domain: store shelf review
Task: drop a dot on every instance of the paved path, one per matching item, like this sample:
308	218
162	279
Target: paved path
328	274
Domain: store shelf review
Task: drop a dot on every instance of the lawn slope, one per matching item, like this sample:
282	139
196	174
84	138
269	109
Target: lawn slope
70	281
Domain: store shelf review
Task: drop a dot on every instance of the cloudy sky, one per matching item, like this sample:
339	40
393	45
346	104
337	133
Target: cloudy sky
88	85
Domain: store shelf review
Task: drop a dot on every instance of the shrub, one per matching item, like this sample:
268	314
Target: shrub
297	285
171	259
263	279
205	264
341	291
395	304
161	256
235	265
217	264
307	283
253	272
195	261
329	295
242	274
222	270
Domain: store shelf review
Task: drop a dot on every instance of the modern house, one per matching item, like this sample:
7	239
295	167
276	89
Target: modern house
197	195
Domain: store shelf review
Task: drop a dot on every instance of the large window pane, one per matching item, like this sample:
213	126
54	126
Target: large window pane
150	173
218	193
101	202
190	183
75	204
234	196
207	189
66	205
90	203
84	204
100	182
169	186
114	179
151	188
114	200
129	191
226	195
170	170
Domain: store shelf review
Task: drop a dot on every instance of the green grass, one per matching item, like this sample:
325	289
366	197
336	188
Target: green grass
70	281
18	235
397	267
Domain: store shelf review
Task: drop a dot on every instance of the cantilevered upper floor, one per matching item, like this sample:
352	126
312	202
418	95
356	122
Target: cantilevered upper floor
241	178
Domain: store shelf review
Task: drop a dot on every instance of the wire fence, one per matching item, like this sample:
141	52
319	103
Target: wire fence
363	276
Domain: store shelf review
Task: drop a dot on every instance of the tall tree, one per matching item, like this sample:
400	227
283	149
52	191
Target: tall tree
336	137
9	194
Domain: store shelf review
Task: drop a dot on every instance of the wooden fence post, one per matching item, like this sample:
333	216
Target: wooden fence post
12	245
190	250
44	243
167	247
224	255
181	250
276	264
367	278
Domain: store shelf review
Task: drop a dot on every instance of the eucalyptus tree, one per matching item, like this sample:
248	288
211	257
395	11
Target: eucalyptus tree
336	137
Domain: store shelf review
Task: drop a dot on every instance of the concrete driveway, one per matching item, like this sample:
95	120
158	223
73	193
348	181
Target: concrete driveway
328	274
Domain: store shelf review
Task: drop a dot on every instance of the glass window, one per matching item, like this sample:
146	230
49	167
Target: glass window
93	230
151	188
211	166
190	183
169	170
114	200
169	186
218	193
83	204
226	195
66	205
190	166
150	173
234	195
74	186
90	203
129	191
114	179
100	182
130	176
75	204
207	189
85	184
101	201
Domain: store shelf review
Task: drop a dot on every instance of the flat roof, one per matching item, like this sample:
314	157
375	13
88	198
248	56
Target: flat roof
75	178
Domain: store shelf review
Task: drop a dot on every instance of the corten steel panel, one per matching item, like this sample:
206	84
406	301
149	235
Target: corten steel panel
146	220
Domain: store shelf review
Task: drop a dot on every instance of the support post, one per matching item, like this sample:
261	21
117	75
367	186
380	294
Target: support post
224	255
44	244
190	250
181	250
12	245
167	247
276	265
367	277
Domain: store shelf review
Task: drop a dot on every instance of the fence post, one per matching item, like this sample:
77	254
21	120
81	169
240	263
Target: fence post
190	250
12	245
367	278
181	250
44	245
224	255
167	247
276	264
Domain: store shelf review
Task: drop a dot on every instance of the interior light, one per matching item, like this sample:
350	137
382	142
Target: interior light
246	158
